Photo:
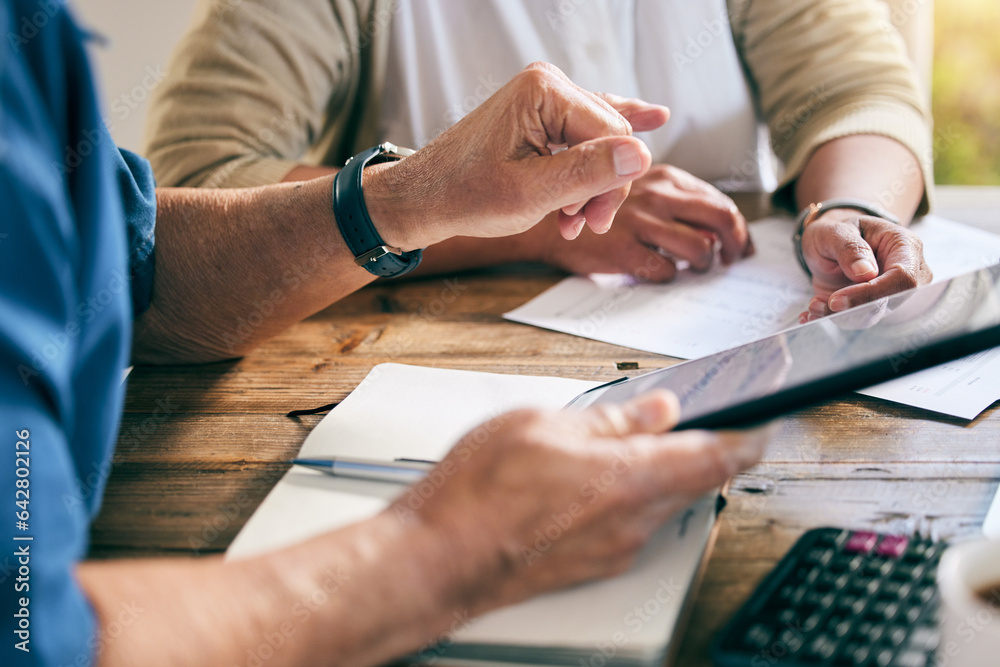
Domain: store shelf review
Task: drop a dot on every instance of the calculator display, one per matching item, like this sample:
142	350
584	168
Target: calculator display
850	350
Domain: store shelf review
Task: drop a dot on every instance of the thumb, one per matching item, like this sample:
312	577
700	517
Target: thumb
587	170
855	257
654	412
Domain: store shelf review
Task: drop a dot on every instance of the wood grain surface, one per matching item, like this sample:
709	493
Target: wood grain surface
201	445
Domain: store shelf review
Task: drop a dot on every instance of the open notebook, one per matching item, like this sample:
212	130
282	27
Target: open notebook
421	412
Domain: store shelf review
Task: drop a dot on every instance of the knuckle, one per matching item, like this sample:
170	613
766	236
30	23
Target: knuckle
581	167
854	247
540	71
907	279
531	424
659	170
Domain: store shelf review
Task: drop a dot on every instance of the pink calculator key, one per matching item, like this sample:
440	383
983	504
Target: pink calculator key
893	545
861	542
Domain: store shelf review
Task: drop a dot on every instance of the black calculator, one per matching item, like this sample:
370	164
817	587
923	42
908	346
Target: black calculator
841	597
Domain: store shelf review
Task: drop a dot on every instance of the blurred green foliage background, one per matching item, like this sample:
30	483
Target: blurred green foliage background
966	91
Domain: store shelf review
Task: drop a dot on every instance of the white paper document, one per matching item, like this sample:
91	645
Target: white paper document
700	314
961	388
694	316
412	412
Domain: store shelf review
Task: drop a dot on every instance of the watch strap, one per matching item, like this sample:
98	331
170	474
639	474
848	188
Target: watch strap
813	211
369	249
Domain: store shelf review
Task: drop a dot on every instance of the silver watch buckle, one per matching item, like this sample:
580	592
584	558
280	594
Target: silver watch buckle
376	254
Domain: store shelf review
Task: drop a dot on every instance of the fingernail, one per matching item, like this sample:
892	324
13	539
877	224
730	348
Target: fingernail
839	303
628	160
579	226
863	266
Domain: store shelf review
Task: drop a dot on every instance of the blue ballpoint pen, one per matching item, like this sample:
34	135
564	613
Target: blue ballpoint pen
399	471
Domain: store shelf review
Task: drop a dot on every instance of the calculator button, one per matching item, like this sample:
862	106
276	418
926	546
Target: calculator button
892	589
896	636
819	556
787	616
861	542
812	621
820	599
883	658
892	546
911	659
860	654
791	639
839	626
822	647
758	636
885	609
876	632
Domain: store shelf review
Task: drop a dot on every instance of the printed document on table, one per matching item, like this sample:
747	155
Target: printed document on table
961	388
700	314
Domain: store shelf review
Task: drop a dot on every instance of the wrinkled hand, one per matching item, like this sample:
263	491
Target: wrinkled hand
670	216
550	499
498	171
858	258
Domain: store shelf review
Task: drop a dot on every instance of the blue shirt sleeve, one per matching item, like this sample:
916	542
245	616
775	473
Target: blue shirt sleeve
65	326
138	189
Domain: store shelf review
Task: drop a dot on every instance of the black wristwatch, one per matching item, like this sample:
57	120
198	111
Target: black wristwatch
813	211
368	248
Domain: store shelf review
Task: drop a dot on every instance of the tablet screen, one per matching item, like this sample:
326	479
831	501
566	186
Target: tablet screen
857	348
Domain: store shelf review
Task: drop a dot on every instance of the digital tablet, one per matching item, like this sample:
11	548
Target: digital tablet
856	348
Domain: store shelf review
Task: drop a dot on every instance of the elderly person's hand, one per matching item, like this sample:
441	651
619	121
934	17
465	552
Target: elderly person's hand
857	258
604	479
500	170
670	218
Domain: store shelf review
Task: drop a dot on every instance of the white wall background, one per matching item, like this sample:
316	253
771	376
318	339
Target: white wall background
141	36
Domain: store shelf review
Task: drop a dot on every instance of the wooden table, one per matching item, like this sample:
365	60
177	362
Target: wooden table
201	446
